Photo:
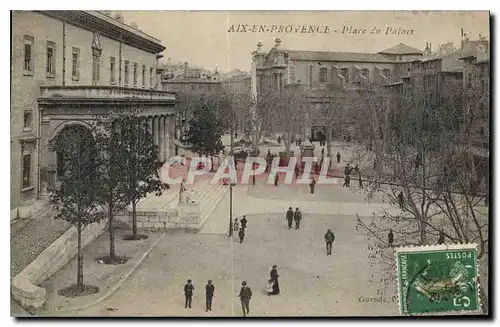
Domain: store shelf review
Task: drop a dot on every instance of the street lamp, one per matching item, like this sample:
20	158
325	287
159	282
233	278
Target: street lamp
231	184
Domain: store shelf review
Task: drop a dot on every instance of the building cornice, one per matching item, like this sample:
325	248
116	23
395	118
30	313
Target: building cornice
108	27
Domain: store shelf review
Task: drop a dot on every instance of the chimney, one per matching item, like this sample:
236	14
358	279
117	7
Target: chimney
119	17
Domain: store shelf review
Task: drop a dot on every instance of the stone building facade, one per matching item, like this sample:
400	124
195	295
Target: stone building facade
323	74
68	66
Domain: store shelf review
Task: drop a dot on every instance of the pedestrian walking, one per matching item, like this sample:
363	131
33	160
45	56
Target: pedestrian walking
296	169
329	239
390	238
311	185
269	287
209	293
347	181
276	179
236	225
274	277
245	296
188	293
441	237
322	152
289	217
243	222
401	200
338	157
356	169
297	216
241	234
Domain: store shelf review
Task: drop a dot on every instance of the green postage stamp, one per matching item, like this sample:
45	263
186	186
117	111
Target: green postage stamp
438	279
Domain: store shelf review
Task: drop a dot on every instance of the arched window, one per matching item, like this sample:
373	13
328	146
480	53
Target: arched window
323	75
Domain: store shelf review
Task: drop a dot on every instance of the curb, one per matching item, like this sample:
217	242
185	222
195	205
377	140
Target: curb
116	286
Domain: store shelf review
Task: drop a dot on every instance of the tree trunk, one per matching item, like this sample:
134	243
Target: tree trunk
328	134
112	254
79	278
286	141
134	218
212	163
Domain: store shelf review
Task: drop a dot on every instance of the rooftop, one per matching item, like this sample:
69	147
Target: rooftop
401	49
338	56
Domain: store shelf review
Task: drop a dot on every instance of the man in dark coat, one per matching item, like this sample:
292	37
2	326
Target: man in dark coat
188	293
209	288
311	185
245	296
329	239
243	222
289	217
338	157
401	200
274	277
241	234
296	169
390	238
276	179
297	216
441	237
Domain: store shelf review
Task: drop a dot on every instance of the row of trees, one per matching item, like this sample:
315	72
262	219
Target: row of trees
428	166
105	167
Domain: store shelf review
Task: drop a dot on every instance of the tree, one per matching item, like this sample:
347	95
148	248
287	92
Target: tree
142	163
75	200
335	113
427	169
287	110
113	193
205	130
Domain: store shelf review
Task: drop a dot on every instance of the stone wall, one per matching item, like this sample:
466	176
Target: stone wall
24	286
184	216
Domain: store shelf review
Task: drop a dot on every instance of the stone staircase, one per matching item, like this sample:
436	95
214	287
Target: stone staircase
166	212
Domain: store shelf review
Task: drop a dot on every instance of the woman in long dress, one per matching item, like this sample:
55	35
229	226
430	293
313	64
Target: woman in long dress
274	277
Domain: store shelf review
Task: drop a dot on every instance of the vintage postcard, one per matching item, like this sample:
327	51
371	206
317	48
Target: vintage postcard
249	163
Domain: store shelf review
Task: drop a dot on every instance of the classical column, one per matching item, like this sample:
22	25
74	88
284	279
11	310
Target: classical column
155	129
171	131
166	136
150	125
161	142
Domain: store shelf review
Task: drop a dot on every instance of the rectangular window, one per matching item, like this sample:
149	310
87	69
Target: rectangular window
469	80
51	59
310	75
151	77
26	170
75	64
28	118
345	72
366	73
96	67
386	73
28	55
323	73
135	74
143	75
126	72
112	70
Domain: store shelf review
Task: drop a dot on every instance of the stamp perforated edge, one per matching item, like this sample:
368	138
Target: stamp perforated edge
437	247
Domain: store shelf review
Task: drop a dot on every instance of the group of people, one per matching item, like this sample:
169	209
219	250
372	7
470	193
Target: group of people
240	227
348	170
272	288
209	294
293	216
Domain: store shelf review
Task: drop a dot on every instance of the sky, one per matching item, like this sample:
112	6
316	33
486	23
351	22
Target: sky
226	39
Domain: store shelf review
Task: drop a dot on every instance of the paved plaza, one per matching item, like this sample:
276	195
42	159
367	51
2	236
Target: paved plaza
311	283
